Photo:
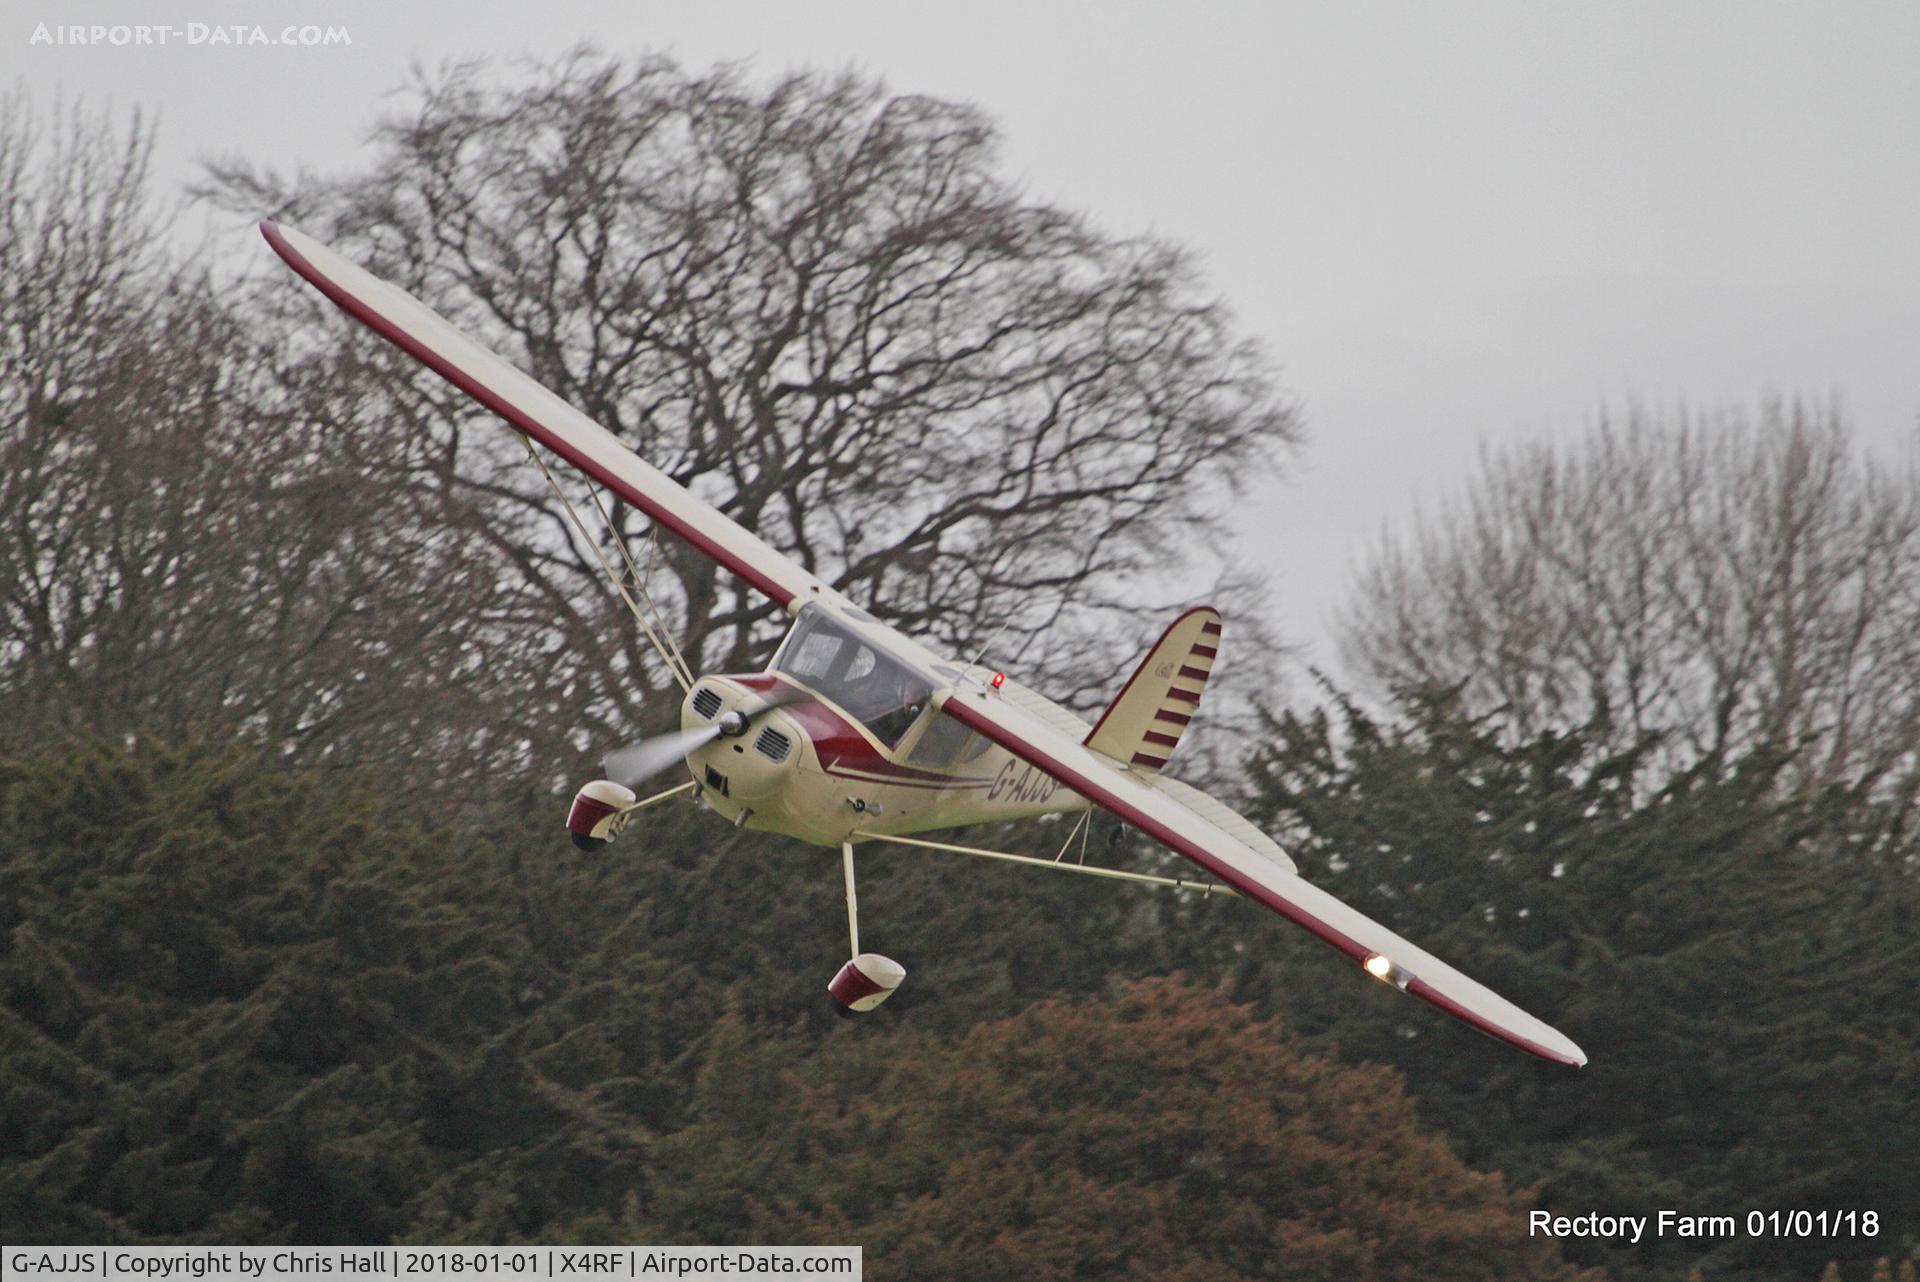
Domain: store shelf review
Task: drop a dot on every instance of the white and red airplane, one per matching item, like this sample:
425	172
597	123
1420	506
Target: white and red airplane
857	733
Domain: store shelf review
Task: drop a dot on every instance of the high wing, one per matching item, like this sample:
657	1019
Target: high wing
430	338
1030	727
1140	802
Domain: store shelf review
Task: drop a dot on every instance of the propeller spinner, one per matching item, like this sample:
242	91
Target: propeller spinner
637	762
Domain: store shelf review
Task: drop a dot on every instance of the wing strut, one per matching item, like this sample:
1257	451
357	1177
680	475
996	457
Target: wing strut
651	620
1090	870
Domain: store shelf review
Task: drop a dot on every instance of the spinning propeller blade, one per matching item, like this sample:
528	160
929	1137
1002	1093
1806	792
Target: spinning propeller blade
637	762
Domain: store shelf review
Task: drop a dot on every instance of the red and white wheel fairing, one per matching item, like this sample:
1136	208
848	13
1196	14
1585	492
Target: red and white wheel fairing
866	981
594	809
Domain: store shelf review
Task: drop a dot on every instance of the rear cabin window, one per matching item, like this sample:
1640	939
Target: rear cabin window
945	742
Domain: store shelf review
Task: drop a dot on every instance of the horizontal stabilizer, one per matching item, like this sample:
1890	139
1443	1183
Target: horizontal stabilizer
1226	819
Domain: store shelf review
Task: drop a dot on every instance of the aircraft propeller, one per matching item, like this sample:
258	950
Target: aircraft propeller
637	762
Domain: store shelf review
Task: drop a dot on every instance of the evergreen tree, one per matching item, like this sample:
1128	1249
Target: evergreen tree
244	1004
1735	960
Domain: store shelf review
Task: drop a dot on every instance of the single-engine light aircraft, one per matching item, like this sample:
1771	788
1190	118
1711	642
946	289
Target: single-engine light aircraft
857	733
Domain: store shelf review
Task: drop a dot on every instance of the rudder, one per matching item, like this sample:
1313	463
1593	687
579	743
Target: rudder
1145	721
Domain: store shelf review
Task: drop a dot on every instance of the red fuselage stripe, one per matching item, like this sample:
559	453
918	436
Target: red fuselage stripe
840	745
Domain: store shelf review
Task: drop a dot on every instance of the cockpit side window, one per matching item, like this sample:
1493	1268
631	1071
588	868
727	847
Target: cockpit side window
946	742
883	694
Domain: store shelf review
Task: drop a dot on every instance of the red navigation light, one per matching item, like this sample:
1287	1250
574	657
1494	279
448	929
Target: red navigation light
999	679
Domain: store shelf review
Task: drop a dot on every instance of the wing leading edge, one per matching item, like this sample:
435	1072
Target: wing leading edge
431	339
1135	800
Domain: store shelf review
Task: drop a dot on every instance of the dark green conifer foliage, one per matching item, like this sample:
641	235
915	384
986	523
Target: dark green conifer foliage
247	1004
243	1004
1737	964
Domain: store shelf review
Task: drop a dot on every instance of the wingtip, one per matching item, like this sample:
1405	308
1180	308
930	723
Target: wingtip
1561	1051
1543	1041
1565	1052
276	237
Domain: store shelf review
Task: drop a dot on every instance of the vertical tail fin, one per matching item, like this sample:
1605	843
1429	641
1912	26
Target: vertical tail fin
1143	724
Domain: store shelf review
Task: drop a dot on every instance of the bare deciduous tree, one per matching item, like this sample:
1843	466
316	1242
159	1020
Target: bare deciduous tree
1725	582
191	539
820	308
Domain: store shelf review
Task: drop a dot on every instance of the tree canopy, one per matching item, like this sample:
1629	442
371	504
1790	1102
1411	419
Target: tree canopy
820	307
1736	961
1729	581
244	1004
291	945
203	534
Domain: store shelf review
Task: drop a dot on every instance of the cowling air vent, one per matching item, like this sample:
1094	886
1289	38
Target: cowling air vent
706	702
773	745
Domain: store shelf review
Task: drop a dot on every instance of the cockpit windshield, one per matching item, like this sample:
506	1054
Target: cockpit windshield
883	693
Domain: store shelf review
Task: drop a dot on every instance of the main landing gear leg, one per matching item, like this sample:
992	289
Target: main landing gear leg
868	979
853	900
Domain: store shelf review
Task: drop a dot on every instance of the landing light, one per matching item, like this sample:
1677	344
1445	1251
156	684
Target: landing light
1378	967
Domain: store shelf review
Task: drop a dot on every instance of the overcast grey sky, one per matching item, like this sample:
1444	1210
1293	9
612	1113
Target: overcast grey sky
1451	224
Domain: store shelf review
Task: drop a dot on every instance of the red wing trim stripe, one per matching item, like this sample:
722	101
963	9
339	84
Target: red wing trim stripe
1177	718
1210	629
1143	759
1096	791
1185	696
1206	652
1196	674
1427	993
376	321
1164	740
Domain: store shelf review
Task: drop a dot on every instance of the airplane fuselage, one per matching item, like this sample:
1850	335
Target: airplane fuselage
813	771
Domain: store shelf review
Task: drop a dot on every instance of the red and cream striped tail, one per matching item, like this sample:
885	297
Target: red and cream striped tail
1143	725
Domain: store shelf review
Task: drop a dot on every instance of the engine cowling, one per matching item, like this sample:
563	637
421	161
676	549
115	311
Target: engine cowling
866	981
598	813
